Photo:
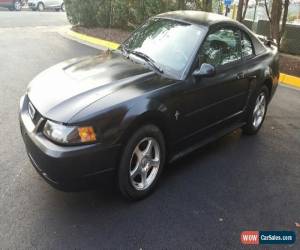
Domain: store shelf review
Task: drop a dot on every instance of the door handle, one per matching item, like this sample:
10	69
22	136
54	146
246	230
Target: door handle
240	75
251	77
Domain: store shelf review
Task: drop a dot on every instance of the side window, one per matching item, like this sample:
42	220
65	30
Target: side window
221	47
247	48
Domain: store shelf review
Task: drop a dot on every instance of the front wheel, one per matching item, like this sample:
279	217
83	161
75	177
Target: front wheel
63	7
142	163
258	110
40	7
17	5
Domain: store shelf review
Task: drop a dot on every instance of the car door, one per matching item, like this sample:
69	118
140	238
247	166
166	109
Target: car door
209	101
250	60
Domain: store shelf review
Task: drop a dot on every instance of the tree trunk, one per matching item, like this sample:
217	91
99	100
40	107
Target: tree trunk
181	4
239	16
284	18
277	27
245	9
276	12
242	10
207	5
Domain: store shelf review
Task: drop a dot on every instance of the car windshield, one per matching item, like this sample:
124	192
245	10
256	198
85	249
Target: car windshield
169	43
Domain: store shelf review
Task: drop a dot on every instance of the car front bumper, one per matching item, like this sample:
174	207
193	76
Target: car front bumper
67	168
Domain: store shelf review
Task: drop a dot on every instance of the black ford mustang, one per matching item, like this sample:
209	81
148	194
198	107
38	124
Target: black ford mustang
178	82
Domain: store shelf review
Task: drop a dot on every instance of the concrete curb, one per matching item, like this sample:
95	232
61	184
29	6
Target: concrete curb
93	40
290	80
96	42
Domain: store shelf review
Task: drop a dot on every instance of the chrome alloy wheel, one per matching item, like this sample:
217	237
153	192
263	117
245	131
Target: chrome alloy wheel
144	163
41	7
17	5
259	110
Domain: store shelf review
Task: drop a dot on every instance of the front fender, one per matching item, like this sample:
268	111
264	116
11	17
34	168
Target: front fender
147	111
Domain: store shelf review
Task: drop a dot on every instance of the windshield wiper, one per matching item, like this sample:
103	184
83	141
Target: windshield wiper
147	58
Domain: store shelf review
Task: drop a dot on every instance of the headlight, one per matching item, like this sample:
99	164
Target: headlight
69	134
22	101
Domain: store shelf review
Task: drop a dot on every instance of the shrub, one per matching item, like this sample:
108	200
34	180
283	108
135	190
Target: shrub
122	13
83	12
114	13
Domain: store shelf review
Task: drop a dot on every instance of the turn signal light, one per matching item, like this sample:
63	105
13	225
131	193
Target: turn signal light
87	134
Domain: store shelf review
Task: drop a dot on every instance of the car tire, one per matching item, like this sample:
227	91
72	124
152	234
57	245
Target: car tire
40	7
17	6
257	112
142	163
62	8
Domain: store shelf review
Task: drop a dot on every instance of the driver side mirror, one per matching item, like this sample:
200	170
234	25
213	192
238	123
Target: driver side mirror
205	70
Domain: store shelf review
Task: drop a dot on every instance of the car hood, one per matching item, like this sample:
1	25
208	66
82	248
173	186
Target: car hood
65	89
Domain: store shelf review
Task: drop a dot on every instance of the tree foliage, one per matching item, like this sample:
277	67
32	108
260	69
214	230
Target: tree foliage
125	13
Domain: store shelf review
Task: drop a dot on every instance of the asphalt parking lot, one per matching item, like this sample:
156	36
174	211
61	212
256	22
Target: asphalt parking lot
204	201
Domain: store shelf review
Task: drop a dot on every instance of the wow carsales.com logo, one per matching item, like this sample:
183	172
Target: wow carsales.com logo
267	237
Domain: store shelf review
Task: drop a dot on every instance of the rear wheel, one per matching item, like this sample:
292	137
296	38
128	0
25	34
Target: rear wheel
142	163
257	113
